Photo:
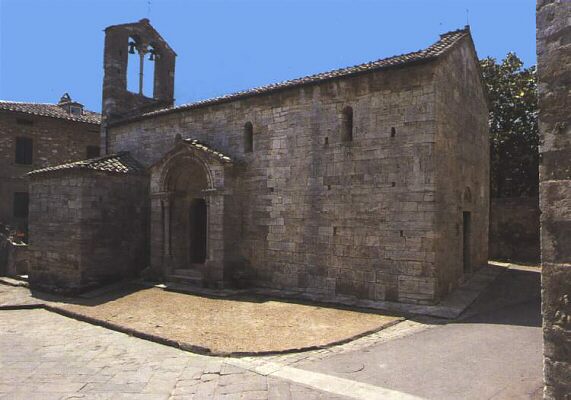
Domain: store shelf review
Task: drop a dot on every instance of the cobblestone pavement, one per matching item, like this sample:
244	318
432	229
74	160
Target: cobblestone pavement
17	296
493	351
44	355
47	356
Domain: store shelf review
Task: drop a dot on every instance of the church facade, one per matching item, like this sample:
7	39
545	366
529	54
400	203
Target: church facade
368	181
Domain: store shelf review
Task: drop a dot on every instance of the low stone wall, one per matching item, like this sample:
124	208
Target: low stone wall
514	229
14	257
18	259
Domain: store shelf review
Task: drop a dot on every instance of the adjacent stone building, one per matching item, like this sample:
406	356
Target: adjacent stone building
370	181
554	77
93	222
34	135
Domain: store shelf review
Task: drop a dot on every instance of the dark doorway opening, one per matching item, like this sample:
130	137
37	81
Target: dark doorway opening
466	240
197	223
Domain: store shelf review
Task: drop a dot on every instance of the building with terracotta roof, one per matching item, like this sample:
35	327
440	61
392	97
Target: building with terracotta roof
35	135
368	181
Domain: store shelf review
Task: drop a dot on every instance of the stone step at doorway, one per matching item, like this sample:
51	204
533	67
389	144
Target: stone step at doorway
186	276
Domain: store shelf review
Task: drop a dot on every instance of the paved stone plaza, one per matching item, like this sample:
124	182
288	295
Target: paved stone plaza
493	352
47	356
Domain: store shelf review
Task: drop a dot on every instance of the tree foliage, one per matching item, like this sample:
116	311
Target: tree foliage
514	134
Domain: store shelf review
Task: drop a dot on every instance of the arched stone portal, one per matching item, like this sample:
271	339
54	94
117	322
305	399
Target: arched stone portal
187	184
187	214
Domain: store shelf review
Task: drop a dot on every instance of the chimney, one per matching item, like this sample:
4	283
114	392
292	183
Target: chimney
72	107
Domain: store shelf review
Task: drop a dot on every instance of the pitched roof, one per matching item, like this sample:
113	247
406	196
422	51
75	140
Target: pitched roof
49	110
446	42
120	163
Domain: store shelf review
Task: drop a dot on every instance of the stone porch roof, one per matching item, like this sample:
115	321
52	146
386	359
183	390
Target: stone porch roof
120	163
202	147
49	110
447	41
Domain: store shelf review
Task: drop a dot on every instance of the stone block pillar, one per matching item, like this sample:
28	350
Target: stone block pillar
554	75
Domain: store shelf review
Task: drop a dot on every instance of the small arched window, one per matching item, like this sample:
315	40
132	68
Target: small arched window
347	125
467	195
248	137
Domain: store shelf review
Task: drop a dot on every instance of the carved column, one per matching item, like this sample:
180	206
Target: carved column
166	202
160	231
215	243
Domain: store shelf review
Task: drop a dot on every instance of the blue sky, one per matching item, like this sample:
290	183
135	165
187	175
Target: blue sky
48	47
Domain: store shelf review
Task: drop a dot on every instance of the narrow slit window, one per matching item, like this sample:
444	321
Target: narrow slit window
393	132
248	137
347	125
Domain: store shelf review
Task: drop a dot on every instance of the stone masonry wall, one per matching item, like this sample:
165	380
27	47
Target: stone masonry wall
462	164
55	141
315	212
114	227
554	77
86	228
514	229
54	236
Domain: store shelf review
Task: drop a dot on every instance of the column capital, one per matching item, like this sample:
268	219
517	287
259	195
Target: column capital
162	195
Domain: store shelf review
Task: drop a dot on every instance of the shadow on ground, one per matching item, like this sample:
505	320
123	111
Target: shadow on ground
513	299
500	303
118	291
240	321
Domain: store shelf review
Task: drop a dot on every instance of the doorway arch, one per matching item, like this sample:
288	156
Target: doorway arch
187	182
187	191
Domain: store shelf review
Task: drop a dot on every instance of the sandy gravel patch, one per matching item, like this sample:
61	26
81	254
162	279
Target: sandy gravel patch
230	325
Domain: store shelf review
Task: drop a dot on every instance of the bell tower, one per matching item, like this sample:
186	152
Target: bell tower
143	41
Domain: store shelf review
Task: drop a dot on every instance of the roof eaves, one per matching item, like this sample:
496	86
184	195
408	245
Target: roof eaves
121	163
92	117
253	93
428	54
196	144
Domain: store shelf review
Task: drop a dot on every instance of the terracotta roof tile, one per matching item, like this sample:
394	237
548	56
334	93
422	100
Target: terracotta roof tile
446	42
203	147
120	163
49	110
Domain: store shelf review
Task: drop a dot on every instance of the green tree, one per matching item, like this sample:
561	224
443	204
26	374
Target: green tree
514	134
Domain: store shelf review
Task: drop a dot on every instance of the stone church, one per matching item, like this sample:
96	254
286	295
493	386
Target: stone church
367	181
